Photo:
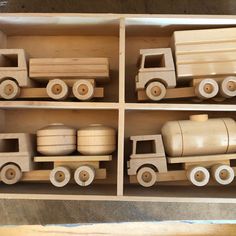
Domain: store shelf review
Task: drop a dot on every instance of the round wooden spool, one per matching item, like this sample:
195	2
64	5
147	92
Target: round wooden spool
57	89
207	88
146	177
84	175
60	176
198	176
96	139
56	139
83	90
155	91
228	87
9	89
10	174
223	174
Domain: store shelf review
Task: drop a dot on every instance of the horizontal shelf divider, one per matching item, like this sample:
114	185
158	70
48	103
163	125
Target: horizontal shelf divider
180	107
115	198
58	105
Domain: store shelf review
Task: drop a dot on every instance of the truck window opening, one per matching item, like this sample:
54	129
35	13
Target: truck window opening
9	145
9	60
145	147
154	61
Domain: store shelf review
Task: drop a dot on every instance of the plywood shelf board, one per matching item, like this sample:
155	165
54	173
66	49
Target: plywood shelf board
59	105
180	107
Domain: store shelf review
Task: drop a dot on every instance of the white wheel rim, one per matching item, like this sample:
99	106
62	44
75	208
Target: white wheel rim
10	174
9	89
155	91
60	176
84	175
207	88
83	90
203	180
57	89
228	87
224	174
146	177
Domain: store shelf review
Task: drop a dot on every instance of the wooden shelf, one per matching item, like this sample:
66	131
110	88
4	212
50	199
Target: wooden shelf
119	38
59	105
180	107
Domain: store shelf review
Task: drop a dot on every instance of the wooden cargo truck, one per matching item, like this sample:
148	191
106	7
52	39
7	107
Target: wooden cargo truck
205	65
57	78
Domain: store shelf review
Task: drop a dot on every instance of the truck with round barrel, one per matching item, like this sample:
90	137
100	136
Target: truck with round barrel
59	154
200	63
204	148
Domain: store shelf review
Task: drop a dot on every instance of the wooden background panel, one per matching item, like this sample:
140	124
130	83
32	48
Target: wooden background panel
75	46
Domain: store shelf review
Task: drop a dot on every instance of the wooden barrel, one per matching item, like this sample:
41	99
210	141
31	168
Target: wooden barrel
96	139
56	139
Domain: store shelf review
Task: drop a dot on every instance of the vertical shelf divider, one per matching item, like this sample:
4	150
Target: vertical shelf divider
121	119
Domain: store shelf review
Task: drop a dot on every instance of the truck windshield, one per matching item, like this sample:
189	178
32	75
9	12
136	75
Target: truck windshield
154	61
9	145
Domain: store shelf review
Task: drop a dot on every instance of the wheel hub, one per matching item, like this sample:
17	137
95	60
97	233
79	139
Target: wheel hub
10	174
9	89
60	176
199	176
224	175
84	175
208	88
231	85
83	89
57	89
146	176
156	91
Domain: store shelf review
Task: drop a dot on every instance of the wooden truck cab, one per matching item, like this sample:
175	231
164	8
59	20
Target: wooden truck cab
13	66
156	72
155	159
16	156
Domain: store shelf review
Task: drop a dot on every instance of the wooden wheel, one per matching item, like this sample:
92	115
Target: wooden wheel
10	174
155	91
198	176
146	177
57	89
207	88
228	87
60	176
84	175
83	90
9	89
223	174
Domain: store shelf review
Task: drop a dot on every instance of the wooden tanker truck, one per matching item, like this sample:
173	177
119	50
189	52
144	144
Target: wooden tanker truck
202	148
204	67
57	78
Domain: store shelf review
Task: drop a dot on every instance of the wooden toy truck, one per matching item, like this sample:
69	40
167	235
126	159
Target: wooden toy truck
57	78
200	155
205	67
19	163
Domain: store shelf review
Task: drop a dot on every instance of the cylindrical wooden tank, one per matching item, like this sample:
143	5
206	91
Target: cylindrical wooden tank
56	139
199	136
96	139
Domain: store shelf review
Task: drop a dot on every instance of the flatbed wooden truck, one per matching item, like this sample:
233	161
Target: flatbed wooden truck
150	168
56	78
19	163
204	67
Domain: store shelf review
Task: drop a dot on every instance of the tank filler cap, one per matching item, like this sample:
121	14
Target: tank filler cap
200	117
